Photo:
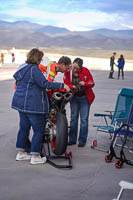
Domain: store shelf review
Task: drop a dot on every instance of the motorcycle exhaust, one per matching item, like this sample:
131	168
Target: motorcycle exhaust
67	96
57	96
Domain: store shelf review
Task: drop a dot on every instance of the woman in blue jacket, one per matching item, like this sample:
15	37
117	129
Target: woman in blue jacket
31	101
121	63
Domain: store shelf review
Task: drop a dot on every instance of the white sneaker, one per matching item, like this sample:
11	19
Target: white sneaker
38	160
23	156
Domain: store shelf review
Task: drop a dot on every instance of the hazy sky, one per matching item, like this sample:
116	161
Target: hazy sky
71	14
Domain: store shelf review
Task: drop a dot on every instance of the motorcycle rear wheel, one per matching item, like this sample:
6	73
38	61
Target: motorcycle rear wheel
59	142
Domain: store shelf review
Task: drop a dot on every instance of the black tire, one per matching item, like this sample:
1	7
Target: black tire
60	142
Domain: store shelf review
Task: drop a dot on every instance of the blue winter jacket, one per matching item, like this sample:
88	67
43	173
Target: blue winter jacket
30	95
121	63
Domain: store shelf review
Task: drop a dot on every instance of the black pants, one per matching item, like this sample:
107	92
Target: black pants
122	72
111	71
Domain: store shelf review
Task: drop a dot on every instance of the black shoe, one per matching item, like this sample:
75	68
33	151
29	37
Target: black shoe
110	77
81	145
71	143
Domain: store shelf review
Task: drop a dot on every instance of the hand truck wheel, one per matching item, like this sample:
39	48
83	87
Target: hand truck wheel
118	164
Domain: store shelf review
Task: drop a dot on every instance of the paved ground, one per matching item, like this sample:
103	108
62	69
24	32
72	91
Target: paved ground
90	179
7	71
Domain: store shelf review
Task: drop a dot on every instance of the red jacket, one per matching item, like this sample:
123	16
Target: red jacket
85	76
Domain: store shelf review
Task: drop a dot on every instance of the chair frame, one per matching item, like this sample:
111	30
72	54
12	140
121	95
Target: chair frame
124	185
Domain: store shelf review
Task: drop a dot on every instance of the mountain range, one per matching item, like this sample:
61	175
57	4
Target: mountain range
23	34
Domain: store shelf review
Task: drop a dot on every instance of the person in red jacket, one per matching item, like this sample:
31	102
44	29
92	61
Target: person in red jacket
13	57
80	81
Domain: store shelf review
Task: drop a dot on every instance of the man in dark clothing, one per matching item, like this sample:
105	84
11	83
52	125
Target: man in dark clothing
112	62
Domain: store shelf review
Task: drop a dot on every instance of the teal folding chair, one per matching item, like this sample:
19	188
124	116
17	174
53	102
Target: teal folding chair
108	123
125	132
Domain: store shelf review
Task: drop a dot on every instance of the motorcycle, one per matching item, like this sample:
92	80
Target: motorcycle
55	138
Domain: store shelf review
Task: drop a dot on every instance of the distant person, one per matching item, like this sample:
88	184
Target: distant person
13	57
80	81
112	63
121	63
31	101
2	58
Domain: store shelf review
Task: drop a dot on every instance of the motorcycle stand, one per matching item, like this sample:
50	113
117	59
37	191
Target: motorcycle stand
50	157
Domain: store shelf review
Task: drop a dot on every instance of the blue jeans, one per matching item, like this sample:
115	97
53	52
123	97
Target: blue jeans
79	105
37	122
